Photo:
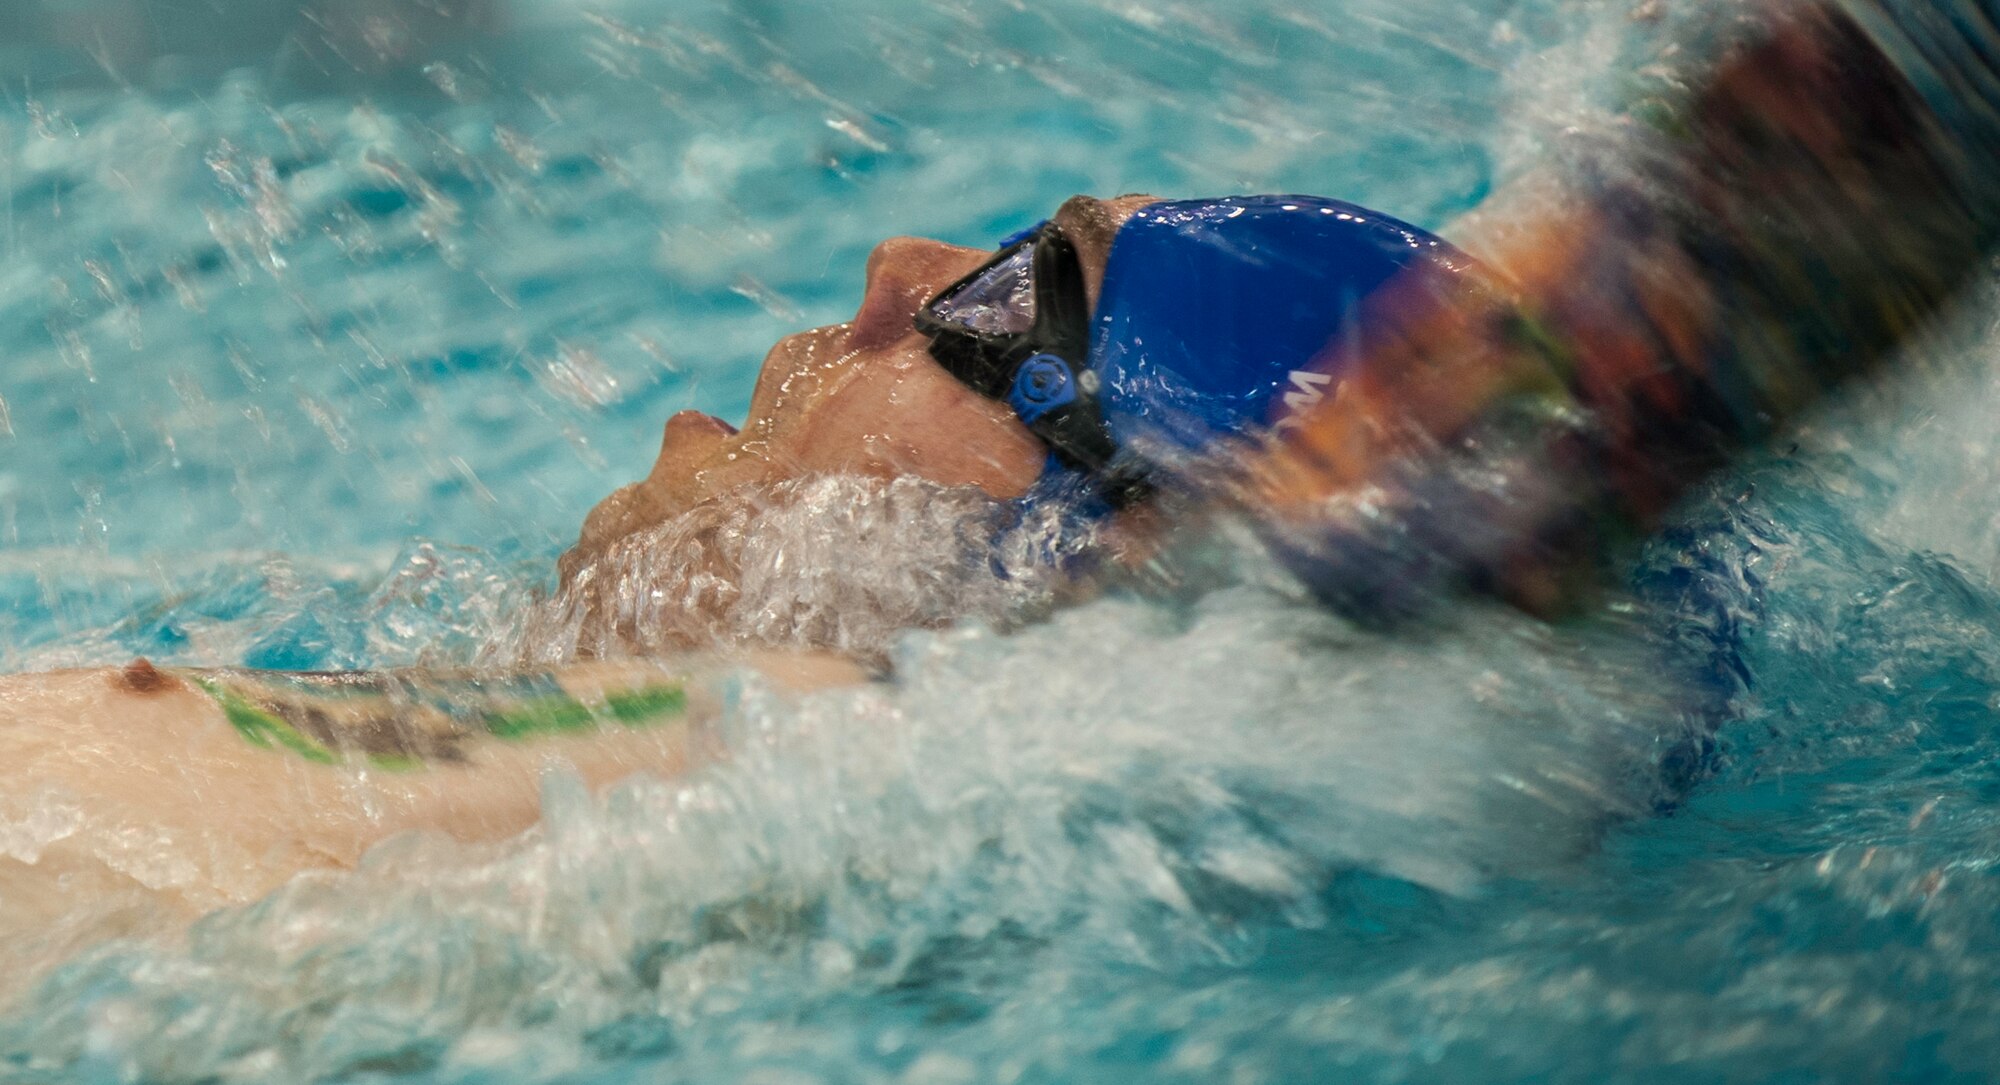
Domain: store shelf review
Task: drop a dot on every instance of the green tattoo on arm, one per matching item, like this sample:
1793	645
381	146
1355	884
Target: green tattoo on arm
402	722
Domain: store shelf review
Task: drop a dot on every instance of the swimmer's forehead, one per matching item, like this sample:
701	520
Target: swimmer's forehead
1091	225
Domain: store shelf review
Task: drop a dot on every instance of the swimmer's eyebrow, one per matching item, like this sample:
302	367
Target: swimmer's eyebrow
1091	224
1086	221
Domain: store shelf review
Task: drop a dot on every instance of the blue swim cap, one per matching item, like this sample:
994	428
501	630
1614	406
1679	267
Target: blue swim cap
1218	317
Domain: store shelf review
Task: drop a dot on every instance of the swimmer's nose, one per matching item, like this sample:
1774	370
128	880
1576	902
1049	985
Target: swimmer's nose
696	425
903	274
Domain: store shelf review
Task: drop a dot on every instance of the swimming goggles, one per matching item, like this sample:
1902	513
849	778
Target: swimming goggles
1017	330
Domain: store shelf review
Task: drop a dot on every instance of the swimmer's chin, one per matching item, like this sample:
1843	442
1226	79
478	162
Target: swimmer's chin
634	525
841	563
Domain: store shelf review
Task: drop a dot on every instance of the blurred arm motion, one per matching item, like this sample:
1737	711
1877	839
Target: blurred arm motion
1823	193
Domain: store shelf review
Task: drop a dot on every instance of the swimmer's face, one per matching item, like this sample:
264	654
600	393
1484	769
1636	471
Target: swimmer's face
864	397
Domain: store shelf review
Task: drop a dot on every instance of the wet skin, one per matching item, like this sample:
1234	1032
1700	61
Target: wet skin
864	397
1621	283
253	790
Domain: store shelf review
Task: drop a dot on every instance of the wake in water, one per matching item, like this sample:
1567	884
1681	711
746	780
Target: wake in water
1126	786
1225	817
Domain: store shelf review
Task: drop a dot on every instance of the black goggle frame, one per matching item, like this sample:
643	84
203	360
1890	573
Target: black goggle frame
1044	372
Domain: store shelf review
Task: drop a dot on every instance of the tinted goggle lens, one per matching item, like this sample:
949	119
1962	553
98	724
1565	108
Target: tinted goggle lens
998	299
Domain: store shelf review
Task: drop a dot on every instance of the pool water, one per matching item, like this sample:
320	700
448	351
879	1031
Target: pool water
321	336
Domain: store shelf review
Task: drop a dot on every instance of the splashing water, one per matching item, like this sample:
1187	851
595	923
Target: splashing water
278	314
1132	791
821	563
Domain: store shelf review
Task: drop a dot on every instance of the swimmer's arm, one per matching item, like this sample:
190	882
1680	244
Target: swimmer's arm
233	781
1773	234
406	720
411	720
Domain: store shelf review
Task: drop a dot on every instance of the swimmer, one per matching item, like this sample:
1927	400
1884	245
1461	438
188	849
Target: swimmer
1402	418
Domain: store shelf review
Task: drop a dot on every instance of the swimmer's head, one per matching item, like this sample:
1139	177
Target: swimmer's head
1213	319
862	398
1202	320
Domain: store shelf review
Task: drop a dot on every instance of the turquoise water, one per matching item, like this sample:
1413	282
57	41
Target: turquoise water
320	338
